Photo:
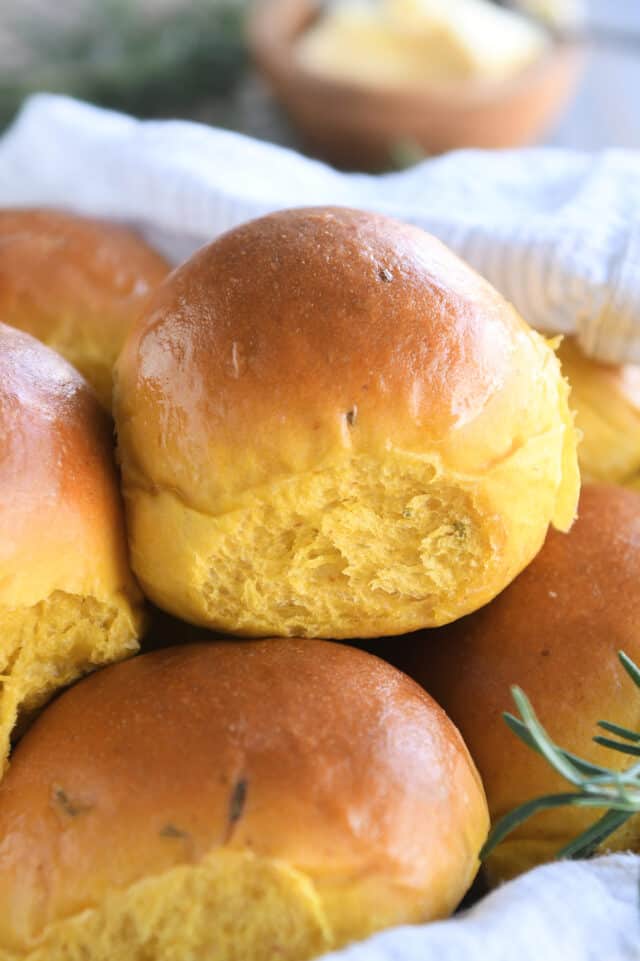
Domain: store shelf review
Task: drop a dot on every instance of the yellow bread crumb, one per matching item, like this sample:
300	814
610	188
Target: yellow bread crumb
49	645
263	910
363	549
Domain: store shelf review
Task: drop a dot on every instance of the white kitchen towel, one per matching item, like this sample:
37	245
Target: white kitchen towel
570	911
557	232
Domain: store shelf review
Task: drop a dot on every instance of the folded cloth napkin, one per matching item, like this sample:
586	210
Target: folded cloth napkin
557	232
570	911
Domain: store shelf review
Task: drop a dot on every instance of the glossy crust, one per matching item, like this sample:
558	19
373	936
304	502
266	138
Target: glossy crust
309	755
63	555
75	284
555	632
606	398
341	348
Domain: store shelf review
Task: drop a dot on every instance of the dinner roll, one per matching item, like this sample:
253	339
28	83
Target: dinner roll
75	284
555	632
331	426
606	399
258	800
67	598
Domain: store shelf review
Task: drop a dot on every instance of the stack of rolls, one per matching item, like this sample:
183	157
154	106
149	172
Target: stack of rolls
329	428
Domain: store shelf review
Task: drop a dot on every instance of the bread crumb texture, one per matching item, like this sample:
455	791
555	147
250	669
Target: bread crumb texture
232	906
263	909
365	548
50	644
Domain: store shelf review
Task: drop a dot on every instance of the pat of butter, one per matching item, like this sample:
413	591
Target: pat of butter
406	42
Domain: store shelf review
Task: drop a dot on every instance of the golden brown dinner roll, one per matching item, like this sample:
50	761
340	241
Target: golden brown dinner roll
606	399
67	598
257	800
331	426
555	632
75	284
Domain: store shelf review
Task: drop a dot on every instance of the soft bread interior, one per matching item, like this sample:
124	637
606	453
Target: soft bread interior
169	917
49	645
363	548
264	908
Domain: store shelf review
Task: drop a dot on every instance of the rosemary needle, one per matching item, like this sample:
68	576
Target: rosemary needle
595	786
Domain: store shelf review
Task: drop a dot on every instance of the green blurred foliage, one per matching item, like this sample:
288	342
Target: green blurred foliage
118	54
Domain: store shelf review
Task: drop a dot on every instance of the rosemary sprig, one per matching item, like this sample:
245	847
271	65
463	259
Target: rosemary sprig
596	786
117	54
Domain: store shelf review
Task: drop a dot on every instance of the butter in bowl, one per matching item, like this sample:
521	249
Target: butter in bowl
360	79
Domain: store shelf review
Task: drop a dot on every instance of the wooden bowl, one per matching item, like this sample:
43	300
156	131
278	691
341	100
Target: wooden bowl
360	127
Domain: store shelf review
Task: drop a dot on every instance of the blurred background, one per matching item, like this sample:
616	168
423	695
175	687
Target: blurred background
366	84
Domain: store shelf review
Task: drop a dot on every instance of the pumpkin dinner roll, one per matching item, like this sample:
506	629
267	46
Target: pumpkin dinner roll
331	426
257	800
606	399
67	598
555	632
75	284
